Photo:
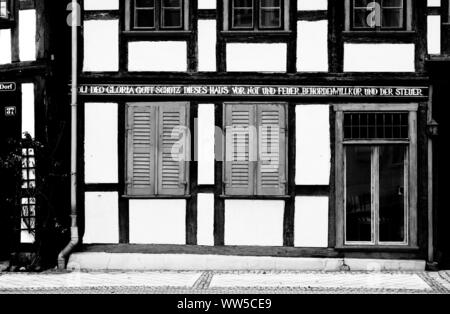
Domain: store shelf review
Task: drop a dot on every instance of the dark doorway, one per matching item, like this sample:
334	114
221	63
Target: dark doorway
10	131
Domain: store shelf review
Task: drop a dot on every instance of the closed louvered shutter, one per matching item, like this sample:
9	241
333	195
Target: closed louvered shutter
240	149
173	149
141	138
271	173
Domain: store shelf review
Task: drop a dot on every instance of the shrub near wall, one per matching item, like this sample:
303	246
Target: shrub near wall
49	233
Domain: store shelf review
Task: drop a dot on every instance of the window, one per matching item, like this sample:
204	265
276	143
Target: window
6	11
378	14
157	149
378	178
28	196
255	150
158	14
257	14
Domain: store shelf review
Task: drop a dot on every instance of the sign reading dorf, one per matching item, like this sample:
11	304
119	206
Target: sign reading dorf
251	90
7	87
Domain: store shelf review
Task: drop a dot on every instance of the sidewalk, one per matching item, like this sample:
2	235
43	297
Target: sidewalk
225	282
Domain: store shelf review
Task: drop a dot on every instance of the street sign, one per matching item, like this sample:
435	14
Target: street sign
7	87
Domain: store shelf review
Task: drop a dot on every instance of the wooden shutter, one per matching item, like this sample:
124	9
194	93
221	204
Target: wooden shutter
271	169
141	137
240	149
173	149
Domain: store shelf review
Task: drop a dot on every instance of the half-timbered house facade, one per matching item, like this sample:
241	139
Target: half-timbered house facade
255	134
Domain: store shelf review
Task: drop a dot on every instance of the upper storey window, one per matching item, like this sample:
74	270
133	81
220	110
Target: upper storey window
158	15
378	14
256	14
4	9
6	12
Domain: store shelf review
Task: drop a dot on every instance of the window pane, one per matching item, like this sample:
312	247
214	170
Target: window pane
242	13
243	18
359	125
360	18
171	18
145	3
358	194
392	18
243	3
270	3
392	3
361	3
171	3
392	193
145	18
270	18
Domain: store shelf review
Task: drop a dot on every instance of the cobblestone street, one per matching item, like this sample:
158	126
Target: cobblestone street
225	282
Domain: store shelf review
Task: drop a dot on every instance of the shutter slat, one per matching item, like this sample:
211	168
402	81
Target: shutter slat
271	174
141	150
173	146
239	167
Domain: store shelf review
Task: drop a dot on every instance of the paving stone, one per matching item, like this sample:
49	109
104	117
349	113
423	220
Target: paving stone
330	280
87	280
226	282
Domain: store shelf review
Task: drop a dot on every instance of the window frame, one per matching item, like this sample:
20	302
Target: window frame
157	180
232	16
256	18
134	15
375	189
406	25
256	148
181	8
158	17
281	8
411	192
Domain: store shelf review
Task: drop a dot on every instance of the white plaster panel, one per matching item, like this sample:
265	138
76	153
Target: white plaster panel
158	56
206	143
254	222
101	45
379	57
158	222
207	45
311	222
434	3
434	34
256	57
91	5
307	5
206	4
28	109
312	46
27	35
313	152
205	219
101	218
5	46
101	148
